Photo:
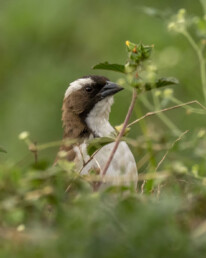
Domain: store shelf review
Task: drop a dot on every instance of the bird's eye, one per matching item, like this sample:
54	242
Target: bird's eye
88	89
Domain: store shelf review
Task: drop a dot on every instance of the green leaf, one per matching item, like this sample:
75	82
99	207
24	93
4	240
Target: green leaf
97	143
162	82
111	67
2	150
200	25
145	51
166	81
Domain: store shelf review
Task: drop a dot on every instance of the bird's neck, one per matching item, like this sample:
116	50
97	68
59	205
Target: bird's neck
98	118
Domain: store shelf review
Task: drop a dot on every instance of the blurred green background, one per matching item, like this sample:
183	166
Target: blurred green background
44	45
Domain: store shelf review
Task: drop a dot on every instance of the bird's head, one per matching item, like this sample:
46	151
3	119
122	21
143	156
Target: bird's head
89	93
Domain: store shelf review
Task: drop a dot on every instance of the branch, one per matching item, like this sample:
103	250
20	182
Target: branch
167	109
91	157
134	96
173	144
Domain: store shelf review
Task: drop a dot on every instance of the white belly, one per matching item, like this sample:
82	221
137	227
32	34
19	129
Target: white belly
122	170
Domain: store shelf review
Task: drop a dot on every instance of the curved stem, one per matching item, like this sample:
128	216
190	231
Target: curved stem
201	61
167	109
164	118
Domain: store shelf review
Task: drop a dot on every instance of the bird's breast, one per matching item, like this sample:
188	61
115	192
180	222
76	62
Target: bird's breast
122	169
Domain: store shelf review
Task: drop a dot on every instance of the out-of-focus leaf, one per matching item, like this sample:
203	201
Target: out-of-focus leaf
150	11
166	81
97	143
2	150
112	67
200	25
203	2
148	186
41	165
117	189
146	51
162	82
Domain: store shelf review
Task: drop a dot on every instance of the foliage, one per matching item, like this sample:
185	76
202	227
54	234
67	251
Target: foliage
38	217
140	74
97	143
112	67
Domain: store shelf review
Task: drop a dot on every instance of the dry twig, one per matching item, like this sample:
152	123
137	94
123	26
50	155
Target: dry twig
167	109
142	186
165	155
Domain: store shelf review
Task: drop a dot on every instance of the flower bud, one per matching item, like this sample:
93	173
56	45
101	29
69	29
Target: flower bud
62	154
168	93
23	135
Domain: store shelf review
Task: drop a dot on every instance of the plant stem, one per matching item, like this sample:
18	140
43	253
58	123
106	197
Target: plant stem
166	109
164	118
145	101
134	96
201	61
188	108
173	144
144	129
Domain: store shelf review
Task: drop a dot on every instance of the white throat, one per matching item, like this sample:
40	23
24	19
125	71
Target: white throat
98	118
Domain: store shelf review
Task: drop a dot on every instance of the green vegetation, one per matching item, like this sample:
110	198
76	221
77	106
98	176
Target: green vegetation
45	45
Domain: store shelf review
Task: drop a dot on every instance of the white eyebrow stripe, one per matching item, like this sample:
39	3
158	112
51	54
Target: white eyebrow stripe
77	85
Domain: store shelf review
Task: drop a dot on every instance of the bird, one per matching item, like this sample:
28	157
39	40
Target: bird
85	116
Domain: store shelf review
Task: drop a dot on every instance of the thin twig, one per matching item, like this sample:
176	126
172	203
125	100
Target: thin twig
165	155
158	191
173	144
142	186
66	142
34	150
149	176
200	59
36	156
91	157
142	161
81	153
134	96
174	128
166	109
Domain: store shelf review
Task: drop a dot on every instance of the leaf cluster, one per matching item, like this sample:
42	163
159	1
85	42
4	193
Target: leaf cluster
139	72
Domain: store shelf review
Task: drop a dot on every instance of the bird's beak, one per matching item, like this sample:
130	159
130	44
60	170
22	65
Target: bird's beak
109	89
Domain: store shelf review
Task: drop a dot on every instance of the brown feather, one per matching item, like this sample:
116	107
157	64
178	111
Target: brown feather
74	127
